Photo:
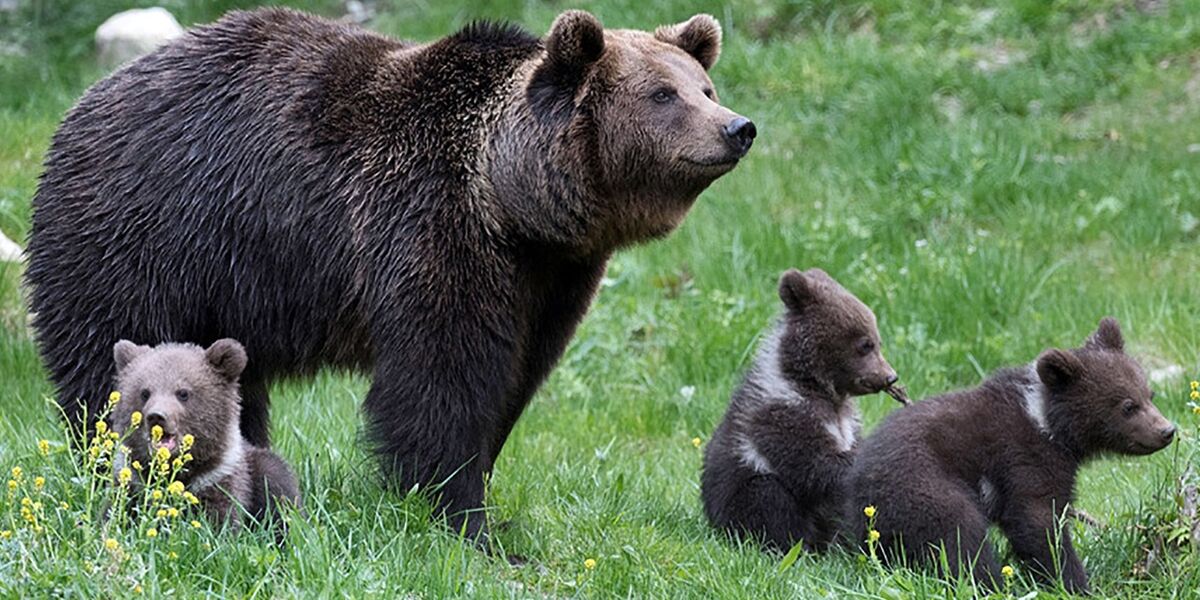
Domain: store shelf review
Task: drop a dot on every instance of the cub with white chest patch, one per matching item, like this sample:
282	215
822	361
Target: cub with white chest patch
189	390
775	468
1007	452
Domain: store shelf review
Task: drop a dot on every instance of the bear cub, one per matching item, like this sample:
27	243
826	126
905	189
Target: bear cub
1007	452
775	468
186	389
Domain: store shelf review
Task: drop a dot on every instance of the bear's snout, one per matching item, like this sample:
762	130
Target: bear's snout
740	134
1166	434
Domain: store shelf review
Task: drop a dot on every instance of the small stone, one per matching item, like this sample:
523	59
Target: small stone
132	33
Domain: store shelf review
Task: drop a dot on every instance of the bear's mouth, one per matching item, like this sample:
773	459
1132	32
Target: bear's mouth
726	162
168	441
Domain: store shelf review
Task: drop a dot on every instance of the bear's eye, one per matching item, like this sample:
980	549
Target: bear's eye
708	93
663	96
1128	407
182	395
866	347
145	395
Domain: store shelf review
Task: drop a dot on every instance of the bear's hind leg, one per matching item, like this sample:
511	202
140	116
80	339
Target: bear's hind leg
764	510
256	404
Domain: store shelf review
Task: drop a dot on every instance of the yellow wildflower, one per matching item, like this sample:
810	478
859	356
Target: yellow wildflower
186	442
162	512
64	506
12	484
1196	410
137	589
195	524
156	495
39	482
589	564
1195	385
109	445
17	472
172	512
4	535
101	428
156	433
137	466
162	455
1195	395
172	555
1007	572
191	498
176	488
869	511
44	447
112	544
696	442
114	397
114	436
152	532
26	501
136	418
873	535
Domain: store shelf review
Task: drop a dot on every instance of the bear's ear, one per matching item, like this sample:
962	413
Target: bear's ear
1058	368
125	351
227	357
699	36
796	290
1107	336
575	41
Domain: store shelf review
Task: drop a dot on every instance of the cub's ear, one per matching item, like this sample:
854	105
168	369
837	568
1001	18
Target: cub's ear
125	351
699	36
227	357
1107	336
1058	368
796	290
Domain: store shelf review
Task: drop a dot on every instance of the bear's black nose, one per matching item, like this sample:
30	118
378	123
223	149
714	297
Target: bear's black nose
1167	433
156	418
739	134
893	379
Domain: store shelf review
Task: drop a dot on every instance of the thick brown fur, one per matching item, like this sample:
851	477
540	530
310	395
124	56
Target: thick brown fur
436	215
776	466
188	390
1007	452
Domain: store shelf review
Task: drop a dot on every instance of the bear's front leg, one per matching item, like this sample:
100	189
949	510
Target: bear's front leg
1039	539
431	411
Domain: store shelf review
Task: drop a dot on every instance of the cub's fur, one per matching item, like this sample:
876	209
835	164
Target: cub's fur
185	389
775	467
1006	452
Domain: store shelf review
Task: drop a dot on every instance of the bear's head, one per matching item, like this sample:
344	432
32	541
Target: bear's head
1098	398
830	338
631	125
184	389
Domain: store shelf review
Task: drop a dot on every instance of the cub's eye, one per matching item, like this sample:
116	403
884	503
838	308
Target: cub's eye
182	395
145	395
663	96
866	347
1128	407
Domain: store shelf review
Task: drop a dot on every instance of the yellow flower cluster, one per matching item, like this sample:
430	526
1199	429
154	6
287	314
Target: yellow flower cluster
589	564
873	535
135	419
1007	572
870	512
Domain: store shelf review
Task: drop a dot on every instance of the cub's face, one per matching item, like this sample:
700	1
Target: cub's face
1103	393
183	389
831	332
644	115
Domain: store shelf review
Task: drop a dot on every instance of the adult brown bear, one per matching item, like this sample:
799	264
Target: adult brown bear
437	215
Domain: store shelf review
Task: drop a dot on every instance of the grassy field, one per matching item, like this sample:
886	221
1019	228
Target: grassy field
991	180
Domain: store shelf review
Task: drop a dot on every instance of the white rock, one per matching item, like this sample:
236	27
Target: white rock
9	250
1165	374
132	33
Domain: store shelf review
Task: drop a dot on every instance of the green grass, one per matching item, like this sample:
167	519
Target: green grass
984	214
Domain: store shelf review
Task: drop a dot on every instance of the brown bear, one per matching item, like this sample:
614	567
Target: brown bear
775	468
435	215
1007	452
188	390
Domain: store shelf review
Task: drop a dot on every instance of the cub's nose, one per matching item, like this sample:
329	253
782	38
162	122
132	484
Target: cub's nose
156	418
892	379
1166	433
740	134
